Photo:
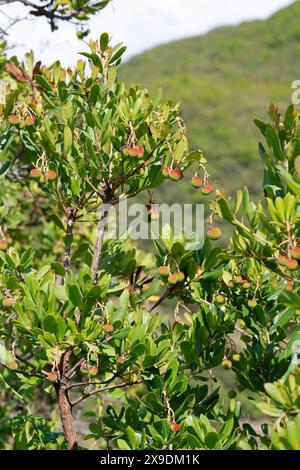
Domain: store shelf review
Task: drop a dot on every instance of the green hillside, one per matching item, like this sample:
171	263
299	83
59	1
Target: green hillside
224	79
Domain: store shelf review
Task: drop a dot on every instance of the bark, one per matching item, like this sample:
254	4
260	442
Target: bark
67	419
65	408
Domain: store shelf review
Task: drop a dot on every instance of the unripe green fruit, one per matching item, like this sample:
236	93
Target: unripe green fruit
164	271
3	244
232	394
246	285
207	189
252	303
13	365
52	377
220	299
214	233
226	364
108	328
236	357
282	260
176	174
196	182
84	369
180	276
174	427
172	279
292	264
295	253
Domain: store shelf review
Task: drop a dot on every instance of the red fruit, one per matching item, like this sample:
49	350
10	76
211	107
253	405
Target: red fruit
295	253
13	119
120	360
3	244
52	377
176	174
166	171
35	173
172	279
154	214
214	233
291	264
207	189
108	328
51	175
126	151
175	427
93	370
289	286
282	260
141	151
196	182
29	121
180	276
133	151
164	271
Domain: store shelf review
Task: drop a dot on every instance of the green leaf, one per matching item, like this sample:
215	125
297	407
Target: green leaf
58	268
74	295
104	39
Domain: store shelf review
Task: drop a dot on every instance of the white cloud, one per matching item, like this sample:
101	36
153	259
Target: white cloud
141	24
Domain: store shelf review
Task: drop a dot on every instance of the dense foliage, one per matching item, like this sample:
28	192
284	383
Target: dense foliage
81	314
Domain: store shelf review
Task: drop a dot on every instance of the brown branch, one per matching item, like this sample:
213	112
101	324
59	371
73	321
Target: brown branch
99	242
87	383
105	389
22	372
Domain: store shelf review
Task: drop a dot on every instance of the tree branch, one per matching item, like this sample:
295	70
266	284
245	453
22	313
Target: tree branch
105	389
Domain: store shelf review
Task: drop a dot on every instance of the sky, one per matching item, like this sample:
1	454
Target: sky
140	24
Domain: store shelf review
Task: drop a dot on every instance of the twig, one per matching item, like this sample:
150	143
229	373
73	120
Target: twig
105	389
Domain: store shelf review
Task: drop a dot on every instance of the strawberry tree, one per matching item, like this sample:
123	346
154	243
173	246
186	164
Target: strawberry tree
82	314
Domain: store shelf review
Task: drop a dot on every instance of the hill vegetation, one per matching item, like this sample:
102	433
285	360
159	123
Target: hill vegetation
224	79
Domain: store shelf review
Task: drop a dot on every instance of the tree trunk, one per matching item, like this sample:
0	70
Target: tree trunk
65	408
67	420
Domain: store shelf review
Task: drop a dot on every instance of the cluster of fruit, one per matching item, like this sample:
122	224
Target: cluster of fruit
16	120
173	278
49	175
204	185
291	262
134	151
175	174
